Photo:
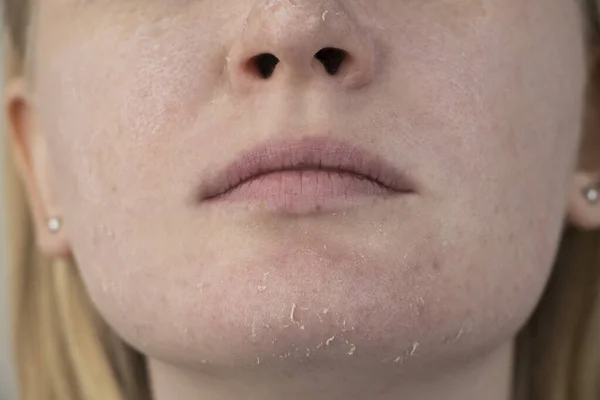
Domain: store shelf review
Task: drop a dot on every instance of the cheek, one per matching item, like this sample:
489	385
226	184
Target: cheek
506	135
123	103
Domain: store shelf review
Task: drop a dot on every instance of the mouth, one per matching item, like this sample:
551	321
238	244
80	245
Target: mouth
308	175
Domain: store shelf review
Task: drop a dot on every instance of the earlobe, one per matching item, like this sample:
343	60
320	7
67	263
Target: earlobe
29	148
584	205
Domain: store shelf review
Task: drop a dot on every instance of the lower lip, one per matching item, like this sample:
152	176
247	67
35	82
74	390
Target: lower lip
305	191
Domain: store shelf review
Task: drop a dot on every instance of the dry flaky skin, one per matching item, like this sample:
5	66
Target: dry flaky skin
358	289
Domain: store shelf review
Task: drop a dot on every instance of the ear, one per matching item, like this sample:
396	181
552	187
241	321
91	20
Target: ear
31	155
584	209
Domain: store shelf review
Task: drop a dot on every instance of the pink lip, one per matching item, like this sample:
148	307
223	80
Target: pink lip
306	175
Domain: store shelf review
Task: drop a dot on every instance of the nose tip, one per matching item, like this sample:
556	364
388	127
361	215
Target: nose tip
302	41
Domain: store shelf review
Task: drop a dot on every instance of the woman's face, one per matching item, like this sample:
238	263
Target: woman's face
140	105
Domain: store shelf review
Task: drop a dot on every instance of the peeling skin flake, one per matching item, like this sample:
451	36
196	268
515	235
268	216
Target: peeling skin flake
414	348
352	349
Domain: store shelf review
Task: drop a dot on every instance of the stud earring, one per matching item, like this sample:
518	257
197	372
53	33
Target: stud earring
54	224
592	194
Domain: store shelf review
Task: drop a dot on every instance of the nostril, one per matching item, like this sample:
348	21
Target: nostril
263	64
331	58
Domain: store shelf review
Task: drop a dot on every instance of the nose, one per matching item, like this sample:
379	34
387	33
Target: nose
300	40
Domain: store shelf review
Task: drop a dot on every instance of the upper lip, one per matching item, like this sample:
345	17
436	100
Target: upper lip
316	153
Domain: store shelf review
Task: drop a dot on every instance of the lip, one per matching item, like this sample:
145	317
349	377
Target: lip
280	165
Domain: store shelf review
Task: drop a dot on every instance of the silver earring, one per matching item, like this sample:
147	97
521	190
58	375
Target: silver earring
592	194
54	224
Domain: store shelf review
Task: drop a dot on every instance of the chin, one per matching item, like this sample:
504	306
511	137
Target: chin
311	305
359	290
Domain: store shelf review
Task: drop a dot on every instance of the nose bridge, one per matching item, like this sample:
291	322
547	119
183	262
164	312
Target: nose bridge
301	39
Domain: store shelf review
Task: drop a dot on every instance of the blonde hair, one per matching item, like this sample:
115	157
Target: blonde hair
65	351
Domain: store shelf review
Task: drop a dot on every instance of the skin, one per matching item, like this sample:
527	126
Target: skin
128	107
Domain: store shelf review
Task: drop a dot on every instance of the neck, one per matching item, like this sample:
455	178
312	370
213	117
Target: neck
488	378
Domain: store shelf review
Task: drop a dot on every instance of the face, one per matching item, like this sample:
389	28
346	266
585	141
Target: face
475	104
